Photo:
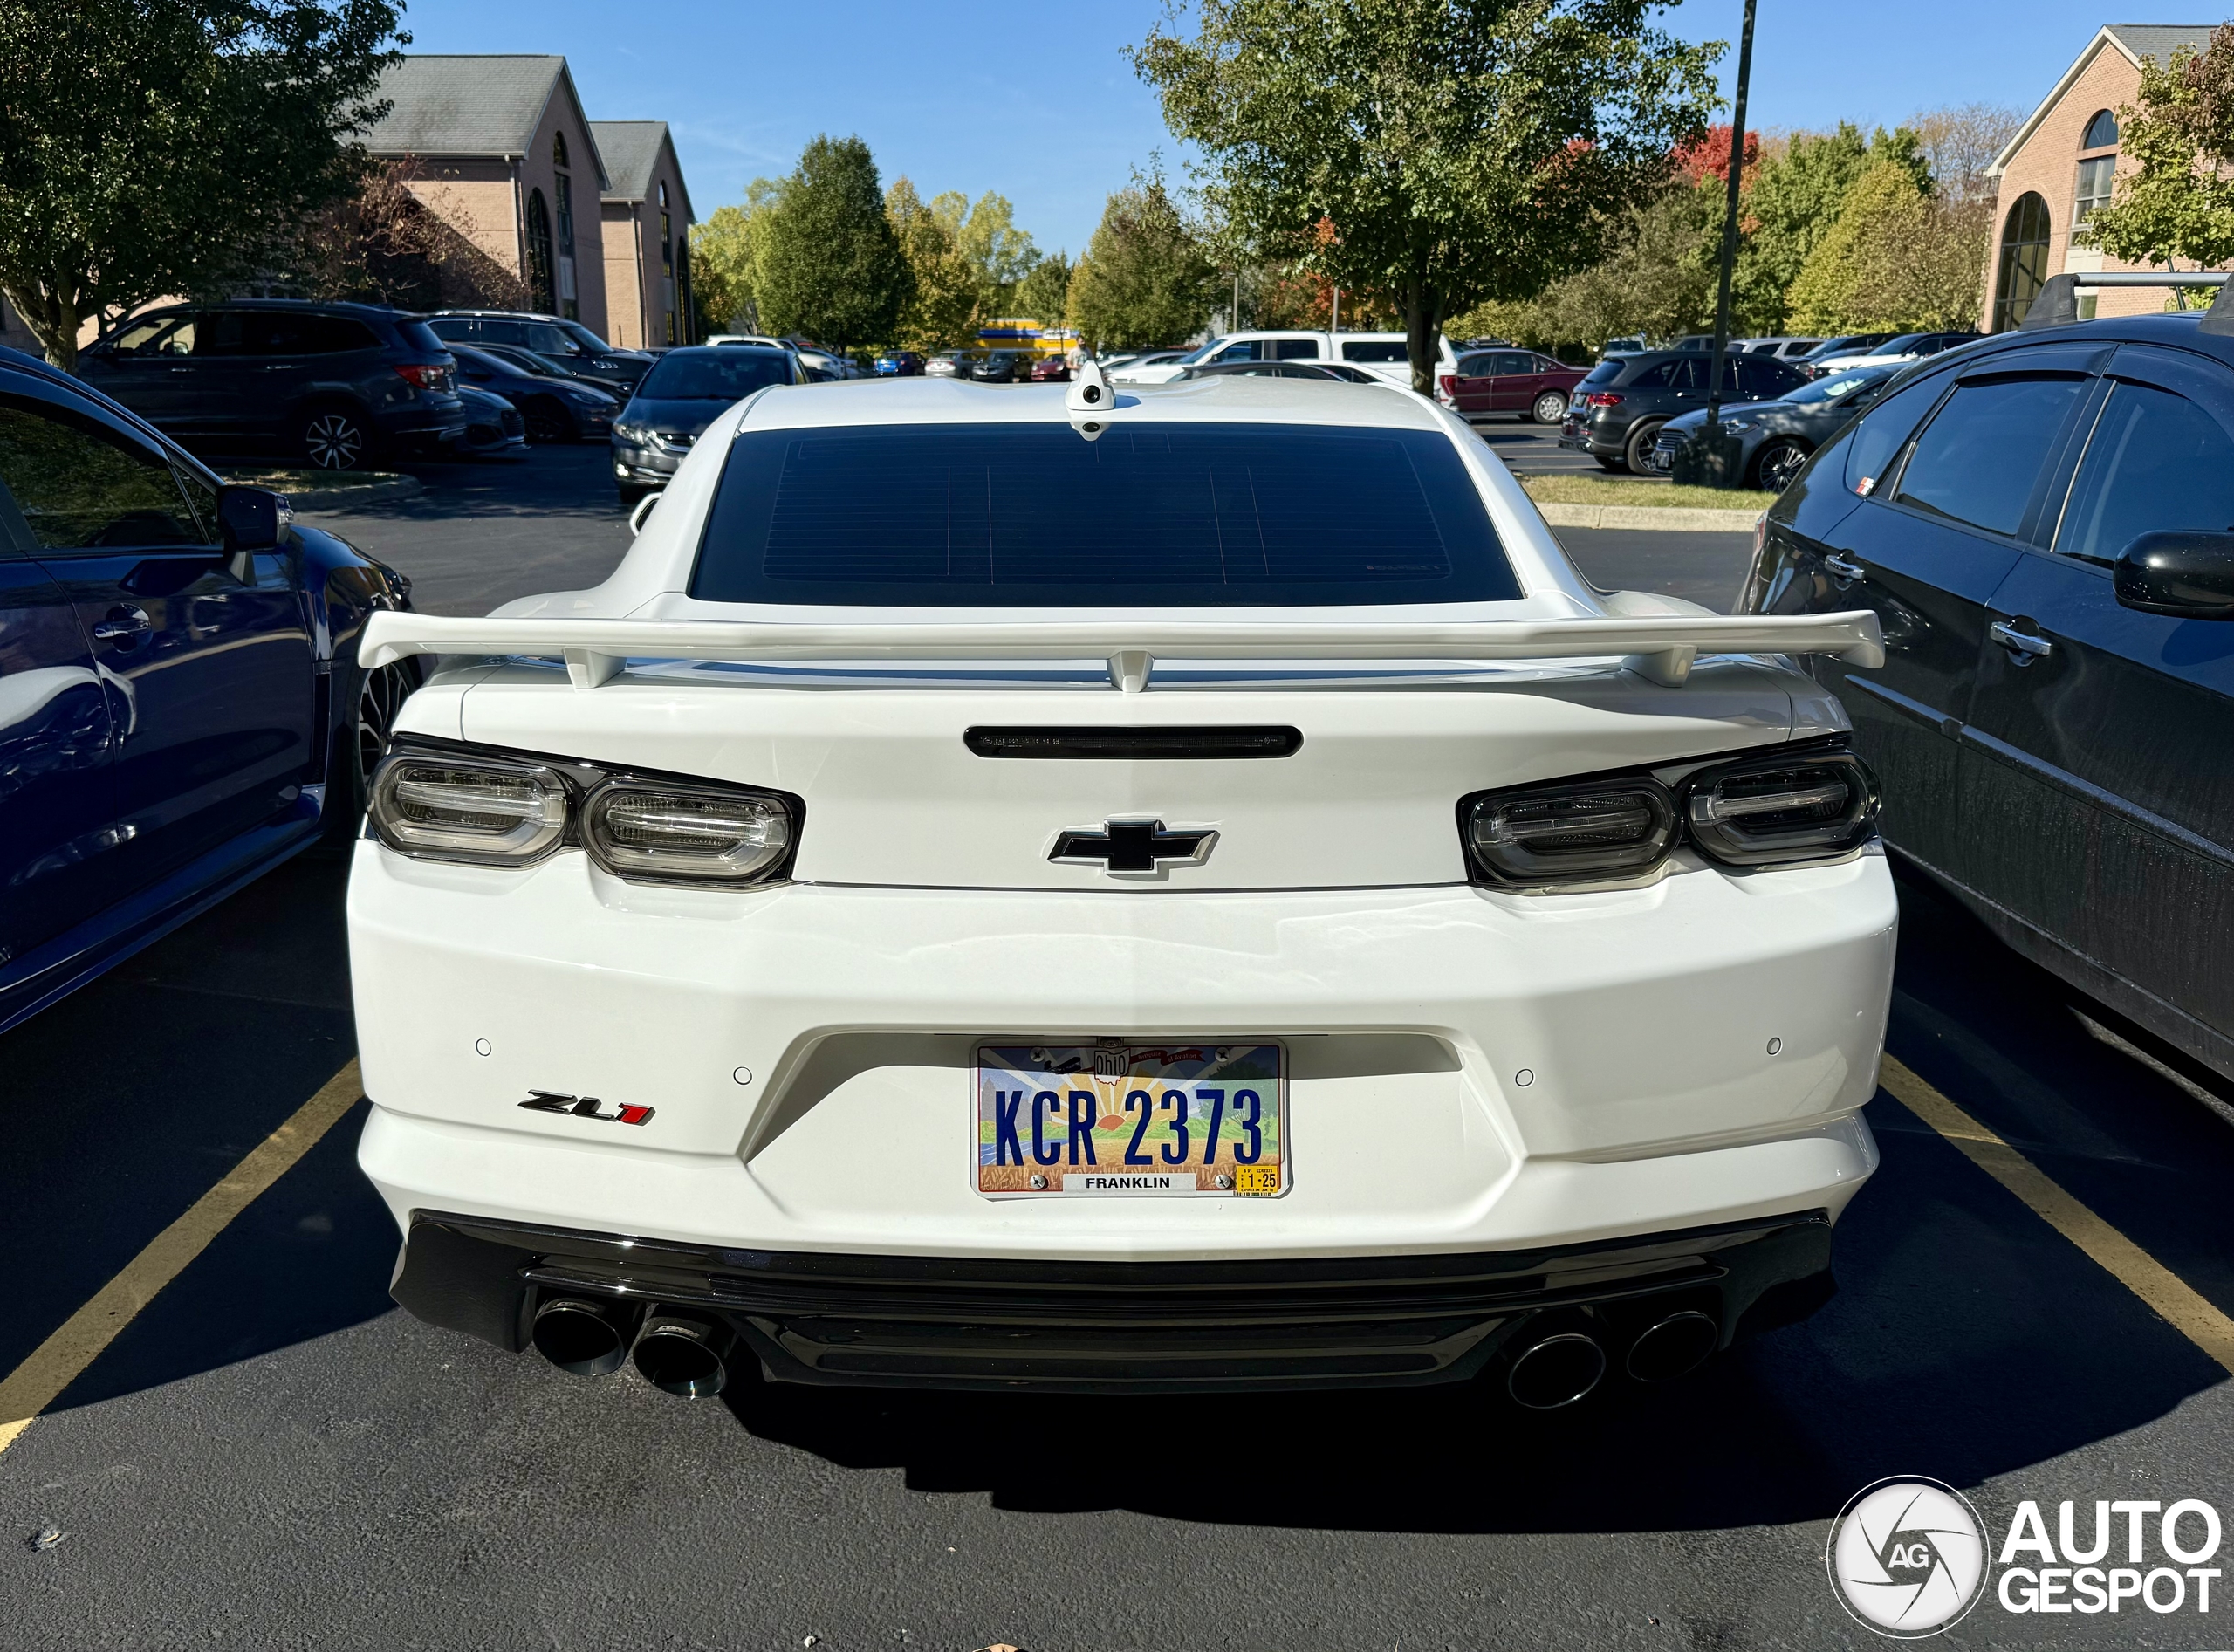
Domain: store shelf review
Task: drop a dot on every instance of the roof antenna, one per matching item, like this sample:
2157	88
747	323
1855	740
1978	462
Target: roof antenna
1089	391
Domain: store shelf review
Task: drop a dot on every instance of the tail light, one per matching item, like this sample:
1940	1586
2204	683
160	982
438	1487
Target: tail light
1593	832
421	376
691	834
500	809
1446	387
482	811
1601	399
1774	810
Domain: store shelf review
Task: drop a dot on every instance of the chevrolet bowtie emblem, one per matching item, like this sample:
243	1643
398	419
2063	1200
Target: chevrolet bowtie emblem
1134	848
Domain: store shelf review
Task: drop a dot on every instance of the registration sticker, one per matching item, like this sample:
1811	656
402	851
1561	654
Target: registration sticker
1133	1120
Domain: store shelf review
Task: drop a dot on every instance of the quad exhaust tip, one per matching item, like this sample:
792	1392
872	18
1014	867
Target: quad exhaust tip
1672	1347
1555	1370
589	1339
684	1354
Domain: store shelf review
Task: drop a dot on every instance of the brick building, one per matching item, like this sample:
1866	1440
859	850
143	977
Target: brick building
2061	165
499	148
647	219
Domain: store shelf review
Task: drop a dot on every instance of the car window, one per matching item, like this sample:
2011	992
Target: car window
417	335
81	486
1475	366
1241	350
220	333
455	326
729	375
499	330
1515	361
1977	461
1155	514
1299	350
280	333
1836	387
547	340
159	336
1884	430
1688	372
1605	373
2155	461
1383	350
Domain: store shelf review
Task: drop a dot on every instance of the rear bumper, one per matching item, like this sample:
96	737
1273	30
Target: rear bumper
952	1322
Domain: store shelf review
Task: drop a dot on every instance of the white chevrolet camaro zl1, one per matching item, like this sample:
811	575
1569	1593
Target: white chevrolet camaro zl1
1095	889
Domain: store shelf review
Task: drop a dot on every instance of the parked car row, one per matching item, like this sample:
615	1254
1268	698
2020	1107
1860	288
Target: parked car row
1518	383
1775	438
1385	355
1620	405
338	386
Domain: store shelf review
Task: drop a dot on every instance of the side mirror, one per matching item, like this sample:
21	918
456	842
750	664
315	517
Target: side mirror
252	518
2183	572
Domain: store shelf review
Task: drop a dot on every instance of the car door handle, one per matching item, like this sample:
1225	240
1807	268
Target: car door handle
1843	570
2022	645
123	622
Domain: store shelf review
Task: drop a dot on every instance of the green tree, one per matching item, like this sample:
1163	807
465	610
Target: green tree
1460	149
1143	280
1043	295
725	260
829	265
944	290
1651	282
2176	202
156	146
1894	258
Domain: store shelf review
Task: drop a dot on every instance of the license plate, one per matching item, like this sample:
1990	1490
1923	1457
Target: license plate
1133	1119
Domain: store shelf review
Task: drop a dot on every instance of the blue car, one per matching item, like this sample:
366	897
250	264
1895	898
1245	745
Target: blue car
181	707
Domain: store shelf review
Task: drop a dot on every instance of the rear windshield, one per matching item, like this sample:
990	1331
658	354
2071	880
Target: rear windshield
1606	371
1149	514
729	373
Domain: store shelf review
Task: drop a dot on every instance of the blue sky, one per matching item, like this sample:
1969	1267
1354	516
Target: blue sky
1032	97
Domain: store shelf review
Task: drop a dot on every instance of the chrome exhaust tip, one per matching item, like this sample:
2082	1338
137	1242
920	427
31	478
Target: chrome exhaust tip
1555	1370
589	1339
1672	1347
684	1354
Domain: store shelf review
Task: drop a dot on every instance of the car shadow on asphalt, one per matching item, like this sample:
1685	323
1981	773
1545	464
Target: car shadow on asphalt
1968	1340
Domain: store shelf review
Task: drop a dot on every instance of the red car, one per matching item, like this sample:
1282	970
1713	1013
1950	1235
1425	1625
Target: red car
1051	370
1519	382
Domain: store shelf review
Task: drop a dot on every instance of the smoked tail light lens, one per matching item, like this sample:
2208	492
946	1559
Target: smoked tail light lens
483	811
1586	832
1774	810
685	834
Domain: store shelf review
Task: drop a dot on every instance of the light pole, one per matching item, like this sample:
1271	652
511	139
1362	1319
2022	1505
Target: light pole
1715	464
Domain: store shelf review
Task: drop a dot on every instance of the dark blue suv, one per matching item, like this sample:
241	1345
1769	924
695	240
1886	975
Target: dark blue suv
180	707
336	384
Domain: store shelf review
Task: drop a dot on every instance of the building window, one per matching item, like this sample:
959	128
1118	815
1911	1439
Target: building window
682	289
2024	267
539	292
667	265
662	195
2101	131
2094	178
558	149
569	300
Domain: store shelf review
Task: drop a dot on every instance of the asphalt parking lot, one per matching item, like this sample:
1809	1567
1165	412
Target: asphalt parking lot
270	1455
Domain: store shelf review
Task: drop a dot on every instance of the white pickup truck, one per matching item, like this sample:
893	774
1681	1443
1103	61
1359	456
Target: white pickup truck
1382	354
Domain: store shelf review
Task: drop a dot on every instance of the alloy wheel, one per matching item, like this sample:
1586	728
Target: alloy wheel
1780	463
334	442
1551	408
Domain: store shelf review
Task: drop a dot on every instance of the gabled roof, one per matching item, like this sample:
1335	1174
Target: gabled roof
472	106
2133	41
632	149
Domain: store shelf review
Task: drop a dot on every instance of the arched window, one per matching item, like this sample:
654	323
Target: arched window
2024	268
2101	131
557	148
540	294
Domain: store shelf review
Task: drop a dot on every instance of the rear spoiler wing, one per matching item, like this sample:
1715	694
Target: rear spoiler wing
1659	647
2057	303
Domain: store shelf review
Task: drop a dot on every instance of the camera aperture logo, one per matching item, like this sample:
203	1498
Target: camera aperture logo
1907	1557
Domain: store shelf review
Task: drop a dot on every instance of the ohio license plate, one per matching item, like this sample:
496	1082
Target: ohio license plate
1131	1119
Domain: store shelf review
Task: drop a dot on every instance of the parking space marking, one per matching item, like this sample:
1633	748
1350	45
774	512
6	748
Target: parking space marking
57	1363
2178	1303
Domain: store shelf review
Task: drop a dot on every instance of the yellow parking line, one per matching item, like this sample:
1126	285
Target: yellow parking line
56	1363
2180	1305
